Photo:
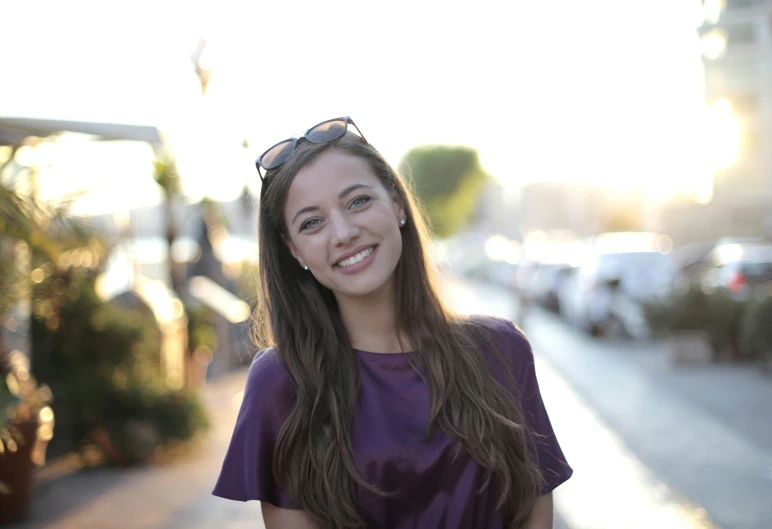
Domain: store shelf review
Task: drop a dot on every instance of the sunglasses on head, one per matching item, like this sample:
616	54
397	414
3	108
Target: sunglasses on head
324	132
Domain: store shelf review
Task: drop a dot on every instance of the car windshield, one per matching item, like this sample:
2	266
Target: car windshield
614	264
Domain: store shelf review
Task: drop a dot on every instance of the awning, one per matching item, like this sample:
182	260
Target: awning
13	130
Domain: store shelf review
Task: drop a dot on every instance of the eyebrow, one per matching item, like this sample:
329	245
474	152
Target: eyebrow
342	194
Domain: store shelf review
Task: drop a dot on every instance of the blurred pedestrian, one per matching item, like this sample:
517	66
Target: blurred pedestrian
373	405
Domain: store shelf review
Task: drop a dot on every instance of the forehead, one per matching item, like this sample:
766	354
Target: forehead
325	177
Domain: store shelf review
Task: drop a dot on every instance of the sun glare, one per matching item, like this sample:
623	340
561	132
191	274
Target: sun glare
723	134
714	44
611	99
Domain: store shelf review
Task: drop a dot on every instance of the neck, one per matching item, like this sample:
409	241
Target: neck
371	321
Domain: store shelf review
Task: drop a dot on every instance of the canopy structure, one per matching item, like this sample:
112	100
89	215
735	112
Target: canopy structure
201	143
14	130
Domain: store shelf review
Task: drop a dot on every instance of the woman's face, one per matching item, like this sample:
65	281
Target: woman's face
344	224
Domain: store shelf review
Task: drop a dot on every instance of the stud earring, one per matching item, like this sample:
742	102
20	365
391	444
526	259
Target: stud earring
402	222
305	267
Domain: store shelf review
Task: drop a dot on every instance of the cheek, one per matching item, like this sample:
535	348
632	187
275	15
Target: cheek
386	218
313	249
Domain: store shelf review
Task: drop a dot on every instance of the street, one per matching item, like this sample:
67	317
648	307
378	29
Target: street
182	181
651	445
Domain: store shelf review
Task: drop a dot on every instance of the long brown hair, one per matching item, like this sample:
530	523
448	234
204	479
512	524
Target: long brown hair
313	459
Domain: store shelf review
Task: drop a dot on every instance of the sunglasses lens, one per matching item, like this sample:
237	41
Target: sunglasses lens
327	131
277	155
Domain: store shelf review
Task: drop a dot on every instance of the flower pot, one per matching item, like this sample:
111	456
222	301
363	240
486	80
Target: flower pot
690	347
16	472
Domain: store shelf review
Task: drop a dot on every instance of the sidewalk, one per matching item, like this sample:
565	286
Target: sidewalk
650	445
706	432
611	488
170	496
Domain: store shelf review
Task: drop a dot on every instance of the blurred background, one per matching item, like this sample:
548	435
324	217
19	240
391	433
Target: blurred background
599	172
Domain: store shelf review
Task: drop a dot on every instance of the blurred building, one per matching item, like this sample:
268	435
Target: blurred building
737	57
496	211
582	209
557	206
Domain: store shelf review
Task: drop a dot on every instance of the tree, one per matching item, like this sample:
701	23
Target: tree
167	177
448	181
31	231
32	226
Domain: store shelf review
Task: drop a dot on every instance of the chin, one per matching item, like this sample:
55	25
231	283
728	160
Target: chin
362	291
362	287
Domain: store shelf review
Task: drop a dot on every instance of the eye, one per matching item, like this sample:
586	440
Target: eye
360	201
310	223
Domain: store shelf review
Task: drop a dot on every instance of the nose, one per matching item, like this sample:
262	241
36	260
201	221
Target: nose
343	230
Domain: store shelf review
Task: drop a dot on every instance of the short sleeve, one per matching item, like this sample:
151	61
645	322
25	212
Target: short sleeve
513	344
247	471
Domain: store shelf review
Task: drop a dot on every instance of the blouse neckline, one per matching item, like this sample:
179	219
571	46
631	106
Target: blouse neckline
371	353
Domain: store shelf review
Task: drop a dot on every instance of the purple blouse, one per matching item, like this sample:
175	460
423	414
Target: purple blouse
390	419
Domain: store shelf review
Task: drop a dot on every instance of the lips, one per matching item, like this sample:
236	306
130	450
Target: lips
352	254
358	262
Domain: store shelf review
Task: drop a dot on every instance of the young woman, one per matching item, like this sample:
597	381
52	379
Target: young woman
374	406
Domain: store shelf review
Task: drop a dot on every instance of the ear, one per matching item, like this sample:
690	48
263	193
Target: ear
399	204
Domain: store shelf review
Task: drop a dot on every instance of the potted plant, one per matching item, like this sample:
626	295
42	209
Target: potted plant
26	426
29	228
686	319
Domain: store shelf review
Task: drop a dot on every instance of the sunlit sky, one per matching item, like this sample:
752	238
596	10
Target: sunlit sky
599	91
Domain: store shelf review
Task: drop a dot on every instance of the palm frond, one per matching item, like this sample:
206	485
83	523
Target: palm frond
46	228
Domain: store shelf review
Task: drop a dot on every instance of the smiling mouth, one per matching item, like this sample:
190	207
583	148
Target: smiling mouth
356	258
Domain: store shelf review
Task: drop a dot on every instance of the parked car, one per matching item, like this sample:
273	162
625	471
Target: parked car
546	282
499	273
739	268
524	279
609	289
689	259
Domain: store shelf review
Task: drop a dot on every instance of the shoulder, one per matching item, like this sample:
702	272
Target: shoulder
268	381
509	341
247	472
266	366
504	334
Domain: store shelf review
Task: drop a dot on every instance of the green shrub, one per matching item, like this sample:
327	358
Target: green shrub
104	359
177	415
687	308
756	329
201	330
691	308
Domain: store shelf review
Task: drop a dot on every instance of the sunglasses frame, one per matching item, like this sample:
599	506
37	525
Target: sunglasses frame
346	120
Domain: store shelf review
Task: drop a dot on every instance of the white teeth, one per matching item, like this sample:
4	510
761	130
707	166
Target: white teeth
358	257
